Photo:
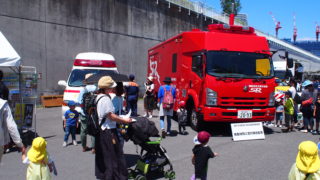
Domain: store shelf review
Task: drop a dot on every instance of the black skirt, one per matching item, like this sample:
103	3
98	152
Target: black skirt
149	103
110	162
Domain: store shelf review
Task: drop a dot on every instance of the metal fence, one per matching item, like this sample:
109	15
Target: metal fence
201	8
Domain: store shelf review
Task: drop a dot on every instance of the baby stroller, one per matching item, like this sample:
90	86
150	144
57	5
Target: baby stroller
153	158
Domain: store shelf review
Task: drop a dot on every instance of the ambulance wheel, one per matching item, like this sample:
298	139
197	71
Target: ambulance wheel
140	177
196	121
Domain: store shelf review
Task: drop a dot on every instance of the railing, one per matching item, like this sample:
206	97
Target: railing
207	11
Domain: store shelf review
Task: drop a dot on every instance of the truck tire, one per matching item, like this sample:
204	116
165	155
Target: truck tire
196	121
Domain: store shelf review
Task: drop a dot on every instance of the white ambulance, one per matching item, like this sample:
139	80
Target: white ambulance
84	63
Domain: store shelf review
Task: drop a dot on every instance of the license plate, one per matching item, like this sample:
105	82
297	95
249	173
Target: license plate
244	114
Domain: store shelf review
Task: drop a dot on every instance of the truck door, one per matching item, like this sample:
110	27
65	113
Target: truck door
198	73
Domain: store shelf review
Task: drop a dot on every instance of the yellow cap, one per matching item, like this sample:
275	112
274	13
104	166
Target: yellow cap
38	152
308	159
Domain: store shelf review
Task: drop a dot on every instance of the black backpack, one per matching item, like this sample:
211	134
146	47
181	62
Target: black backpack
183	117
297	99
87	101
93	126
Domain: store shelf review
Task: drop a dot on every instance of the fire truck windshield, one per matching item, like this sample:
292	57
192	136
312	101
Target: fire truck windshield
238	64
78	75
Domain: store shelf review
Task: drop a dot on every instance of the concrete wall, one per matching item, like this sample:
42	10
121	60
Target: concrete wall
49	33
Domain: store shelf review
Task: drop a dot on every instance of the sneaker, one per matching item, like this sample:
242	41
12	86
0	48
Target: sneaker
85	149
145	115
75	142
270	125
163	133
64	144
168	133
314	132
150	116
304	130
279	126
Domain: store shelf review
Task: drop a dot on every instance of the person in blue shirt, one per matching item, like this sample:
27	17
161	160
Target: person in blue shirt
166	112
70	123
83	117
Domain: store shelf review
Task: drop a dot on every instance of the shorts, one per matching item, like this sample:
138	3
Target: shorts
279	116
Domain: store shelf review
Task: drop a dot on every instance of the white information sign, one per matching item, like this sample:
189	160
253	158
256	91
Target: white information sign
247	131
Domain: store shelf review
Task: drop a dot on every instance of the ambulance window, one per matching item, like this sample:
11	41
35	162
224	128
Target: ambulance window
174	63
197	65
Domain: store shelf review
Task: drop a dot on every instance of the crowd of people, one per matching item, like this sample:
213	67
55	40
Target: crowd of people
107	144
307	105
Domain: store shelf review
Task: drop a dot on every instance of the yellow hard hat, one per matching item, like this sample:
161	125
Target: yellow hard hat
38	150
307	159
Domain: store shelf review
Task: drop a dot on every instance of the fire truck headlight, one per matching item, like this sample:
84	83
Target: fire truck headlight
271	99
212	97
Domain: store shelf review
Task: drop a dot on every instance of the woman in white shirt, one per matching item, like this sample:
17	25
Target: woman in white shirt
109	162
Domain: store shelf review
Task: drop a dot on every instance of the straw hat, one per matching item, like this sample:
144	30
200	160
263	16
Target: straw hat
38	152
88	75
106	82
307	159
150	78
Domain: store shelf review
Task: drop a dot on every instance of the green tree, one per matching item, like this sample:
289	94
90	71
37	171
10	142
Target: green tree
226	6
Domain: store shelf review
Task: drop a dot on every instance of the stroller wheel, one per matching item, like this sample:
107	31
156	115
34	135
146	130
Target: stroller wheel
170	174
131	174
140	177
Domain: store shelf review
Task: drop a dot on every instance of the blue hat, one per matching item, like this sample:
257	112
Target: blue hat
306	83
71	103
131	77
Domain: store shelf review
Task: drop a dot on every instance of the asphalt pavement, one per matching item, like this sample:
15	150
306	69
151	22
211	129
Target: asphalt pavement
266	159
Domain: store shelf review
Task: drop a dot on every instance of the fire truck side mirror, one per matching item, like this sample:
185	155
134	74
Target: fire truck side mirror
289	60
290	63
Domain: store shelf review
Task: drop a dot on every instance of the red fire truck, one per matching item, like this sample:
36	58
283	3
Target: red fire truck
224	74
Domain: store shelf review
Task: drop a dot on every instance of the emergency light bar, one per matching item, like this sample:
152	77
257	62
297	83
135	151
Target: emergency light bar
94	63
230	28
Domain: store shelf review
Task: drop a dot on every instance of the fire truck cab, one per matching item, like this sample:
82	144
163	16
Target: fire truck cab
84	63
224	74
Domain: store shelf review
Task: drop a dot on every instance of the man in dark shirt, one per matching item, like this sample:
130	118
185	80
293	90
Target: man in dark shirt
201	154
4	91
132	95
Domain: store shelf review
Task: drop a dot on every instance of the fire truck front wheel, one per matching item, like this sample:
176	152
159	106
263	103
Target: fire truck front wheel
196	121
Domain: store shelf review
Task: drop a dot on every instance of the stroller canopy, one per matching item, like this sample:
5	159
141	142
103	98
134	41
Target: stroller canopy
141	130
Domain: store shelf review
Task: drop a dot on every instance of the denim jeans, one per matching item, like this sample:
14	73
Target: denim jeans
132	105
72	130
308	121
168	123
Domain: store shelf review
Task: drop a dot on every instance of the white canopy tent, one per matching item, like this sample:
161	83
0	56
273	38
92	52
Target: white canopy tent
8	56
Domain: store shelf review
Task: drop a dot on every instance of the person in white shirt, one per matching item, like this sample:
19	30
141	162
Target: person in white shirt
293	91
109	161
8	128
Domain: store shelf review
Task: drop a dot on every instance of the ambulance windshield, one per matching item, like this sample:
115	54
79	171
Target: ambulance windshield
238	64
78	75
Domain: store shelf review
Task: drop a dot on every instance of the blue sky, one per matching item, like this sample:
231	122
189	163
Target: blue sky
306	12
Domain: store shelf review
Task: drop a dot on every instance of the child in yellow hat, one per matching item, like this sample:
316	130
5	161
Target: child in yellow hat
39	163
307	166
